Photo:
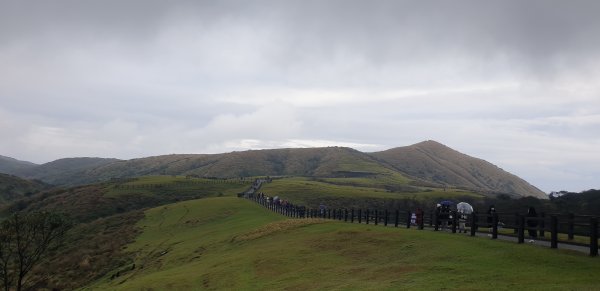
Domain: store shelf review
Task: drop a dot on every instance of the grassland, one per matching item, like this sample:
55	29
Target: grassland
312	192
178	185
229	243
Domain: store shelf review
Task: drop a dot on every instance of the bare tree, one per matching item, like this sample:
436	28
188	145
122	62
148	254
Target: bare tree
24	240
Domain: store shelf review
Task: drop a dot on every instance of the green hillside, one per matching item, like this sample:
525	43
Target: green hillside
105	216
86	203
13	188
348	193
65	171
427	164
318	162
233	244
435	162
13	166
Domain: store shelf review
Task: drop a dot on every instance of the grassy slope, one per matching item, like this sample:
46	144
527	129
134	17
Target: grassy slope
307	192
106	215
13	166
87	203
435	162
228	243
328	162
12	188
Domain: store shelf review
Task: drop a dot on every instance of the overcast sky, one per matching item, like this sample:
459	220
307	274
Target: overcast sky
516	83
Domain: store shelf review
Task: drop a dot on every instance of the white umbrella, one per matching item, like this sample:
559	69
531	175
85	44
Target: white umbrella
464	208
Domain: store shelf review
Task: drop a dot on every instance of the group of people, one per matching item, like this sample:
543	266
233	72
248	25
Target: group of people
444	216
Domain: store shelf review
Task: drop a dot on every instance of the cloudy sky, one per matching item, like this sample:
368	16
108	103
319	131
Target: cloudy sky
516	83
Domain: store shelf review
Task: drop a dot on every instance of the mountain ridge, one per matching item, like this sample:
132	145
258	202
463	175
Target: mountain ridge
11	166
428	161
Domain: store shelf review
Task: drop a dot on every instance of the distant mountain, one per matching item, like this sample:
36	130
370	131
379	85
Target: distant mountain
64	171
427	164
432	161
315	162
12	166
13	188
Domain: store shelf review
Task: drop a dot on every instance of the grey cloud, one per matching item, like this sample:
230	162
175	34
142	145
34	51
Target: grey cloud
133	78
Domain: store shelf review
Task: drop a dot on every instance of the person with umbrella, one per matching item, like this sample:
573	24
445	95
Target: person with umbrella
463	209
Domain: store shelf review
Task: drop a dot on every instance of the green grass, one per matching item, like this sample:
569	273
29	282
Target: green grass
178	185
229	243
304	191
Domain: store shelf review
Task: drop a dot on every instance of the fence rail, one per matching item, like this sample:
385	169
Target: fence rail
569	225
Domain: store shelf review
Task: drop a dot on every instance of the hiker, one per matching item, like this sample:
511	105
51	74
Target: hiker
490	217
438	213
532	223
419	214
322	209
445	215
463	209
442	212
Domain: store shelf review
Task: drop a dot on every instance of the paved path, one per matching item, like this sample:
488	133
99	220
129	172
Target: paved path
543	243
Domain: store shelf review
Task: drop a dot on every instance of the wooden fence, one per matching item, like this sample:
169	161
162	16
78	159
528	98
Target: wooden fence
505	224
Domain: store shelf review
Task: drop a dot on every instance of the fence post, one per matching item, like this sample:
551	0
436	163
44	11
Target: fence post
352	215
543	224
454	221
408	217
396	219
385	219
360	216
422	222
437	223
367	216
593	236
346	215
376	217
521	229
431	219
328	213
553	231
571	229
340	215
473	223
495	225
516	229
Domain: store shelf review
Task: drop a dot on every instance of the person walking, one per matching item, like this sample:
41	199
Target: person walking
532	224
490	218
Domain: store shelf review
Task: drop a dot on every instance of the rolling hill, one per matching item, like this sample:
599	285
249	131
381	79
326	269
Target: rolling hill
13	166
424	164
319	162
63	171
232	244
438	163
13	188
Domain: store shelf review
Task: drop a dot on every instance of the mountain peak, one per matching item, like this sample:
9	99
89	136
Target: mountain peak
433	161
429	144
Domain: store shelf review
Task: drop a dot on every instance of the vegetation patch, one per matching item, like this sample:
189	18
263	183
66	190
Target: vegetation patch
332	255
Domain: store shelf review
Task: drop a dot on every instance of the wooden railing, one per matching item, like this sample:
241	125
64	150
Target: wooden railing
511	224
